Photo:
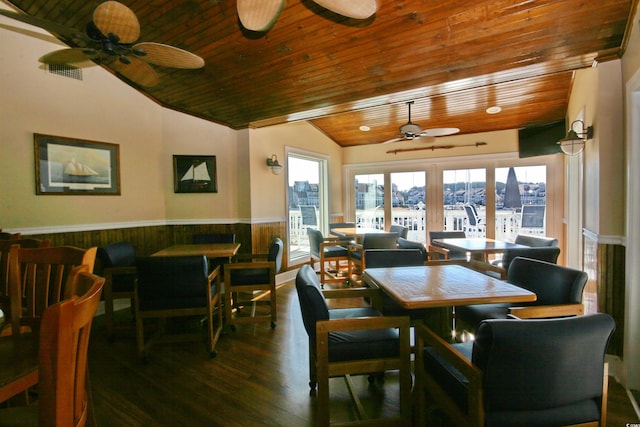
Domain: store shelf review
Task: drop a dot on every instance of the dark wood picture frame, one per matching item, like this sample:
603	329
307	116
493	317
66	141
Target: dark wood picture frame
194	174
67	166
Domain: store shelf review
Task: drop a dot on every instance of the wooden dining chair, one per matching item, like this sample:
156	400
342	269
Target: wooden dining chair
64	398
4	235
37	278
329	253
5	245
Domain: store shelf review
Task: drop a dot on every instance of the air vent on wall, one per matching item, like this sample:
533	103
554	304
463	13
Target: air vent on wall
65	70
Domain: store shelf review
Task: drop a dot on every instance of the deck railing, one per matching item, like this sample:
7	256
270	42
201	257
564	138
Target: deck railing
507	224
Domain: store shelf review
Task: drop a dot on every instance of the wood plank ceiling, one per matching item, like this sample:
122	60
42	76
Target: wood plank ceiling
454	58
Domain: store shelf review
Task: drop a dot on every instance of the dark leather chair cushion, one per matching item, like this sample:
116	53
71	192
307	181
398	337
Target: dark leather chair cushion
121	254
410	244
472	315
535	241
542	370
251	276
542	253
173	282
535	372
335	252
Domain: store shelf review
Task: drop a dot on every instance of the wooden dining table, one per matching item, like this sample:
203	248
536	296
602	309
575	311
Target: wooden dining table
478	247
18	364
210	250
442	286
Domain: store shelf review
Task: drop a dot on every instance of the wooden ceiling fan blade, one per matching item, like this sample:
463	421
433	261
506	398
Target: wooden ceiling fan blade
43	23
137	71
357	9
259	15
115	18
70	56
169	56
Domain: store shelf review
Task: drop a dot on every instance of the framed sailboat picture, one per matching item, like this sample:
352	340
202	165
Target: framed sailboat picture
66	166
194	174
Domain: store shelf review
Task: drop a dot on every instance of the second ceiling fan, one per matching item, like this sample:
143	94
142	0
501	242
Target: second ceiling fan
411	131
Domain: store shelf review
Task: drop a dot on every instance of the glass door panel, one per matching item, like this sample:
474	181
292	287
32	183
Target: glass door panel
369	192
408	203
521	199
464	201
307	201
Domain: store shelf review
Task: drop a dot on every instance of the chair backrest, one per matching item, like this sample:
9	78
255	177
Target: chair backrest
38	277
472	216
275	253
384	258
5	245
315	238
312	302
532	216
400	230
379	241
214	238
410	244
166	282
543	253
62	367
535	241
120	254
4	235
542	369
552	283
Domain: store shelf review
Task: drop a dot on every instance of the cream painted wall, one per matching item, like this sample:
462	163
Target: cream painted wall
99	108
268	190
186	135
498	142
599	92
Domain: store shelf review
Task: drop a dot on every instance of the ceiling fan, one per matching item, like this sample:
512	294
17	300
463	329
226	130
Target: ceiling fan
411	131
260	15
111	39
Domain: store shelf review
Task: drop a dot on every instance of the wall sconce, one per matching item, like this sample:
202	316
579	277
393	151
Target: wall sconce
276	167
573	143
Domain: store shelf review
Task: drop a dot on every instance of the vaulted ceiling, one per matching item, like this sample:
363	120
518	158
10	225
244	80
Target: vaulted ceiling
453	58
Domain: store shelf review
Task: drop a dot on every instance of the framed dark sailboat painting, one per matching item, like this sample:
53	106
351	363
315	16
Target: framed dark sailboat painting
66	166
194	174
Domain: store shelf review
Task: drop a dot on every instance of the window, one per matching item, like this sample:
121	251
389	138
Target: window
409	204
464	201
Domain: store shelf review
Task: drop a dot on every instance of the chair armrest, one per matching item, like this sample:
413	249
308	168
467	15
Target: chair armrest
248	258
426	337
250	264
214	274
438	249
328	243
546	311
324	327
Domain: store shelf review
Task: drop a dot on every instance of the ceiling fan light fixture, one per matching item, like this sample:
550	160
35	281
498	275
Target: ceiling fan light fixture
364	128
494	109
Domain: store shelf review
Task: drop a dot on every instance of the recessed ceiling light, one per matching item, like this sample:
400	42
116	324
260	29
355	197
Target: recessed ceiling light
364	128
493	110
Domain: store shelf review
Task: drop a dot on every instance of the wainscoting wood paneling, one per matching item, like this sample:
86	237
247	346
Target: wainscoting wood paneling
611	290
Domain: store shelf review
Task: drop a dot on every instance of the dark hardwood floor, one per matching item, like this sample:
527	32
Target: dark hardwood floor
259	378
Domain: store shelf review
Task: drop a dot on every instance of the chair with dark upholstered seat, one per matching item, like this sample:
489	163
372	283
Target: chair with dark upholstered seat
117	264
558	290
447	253
4	235
401	230
357	259
410	244
329	253
351	341
177	286
531	242
257	276
534	372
